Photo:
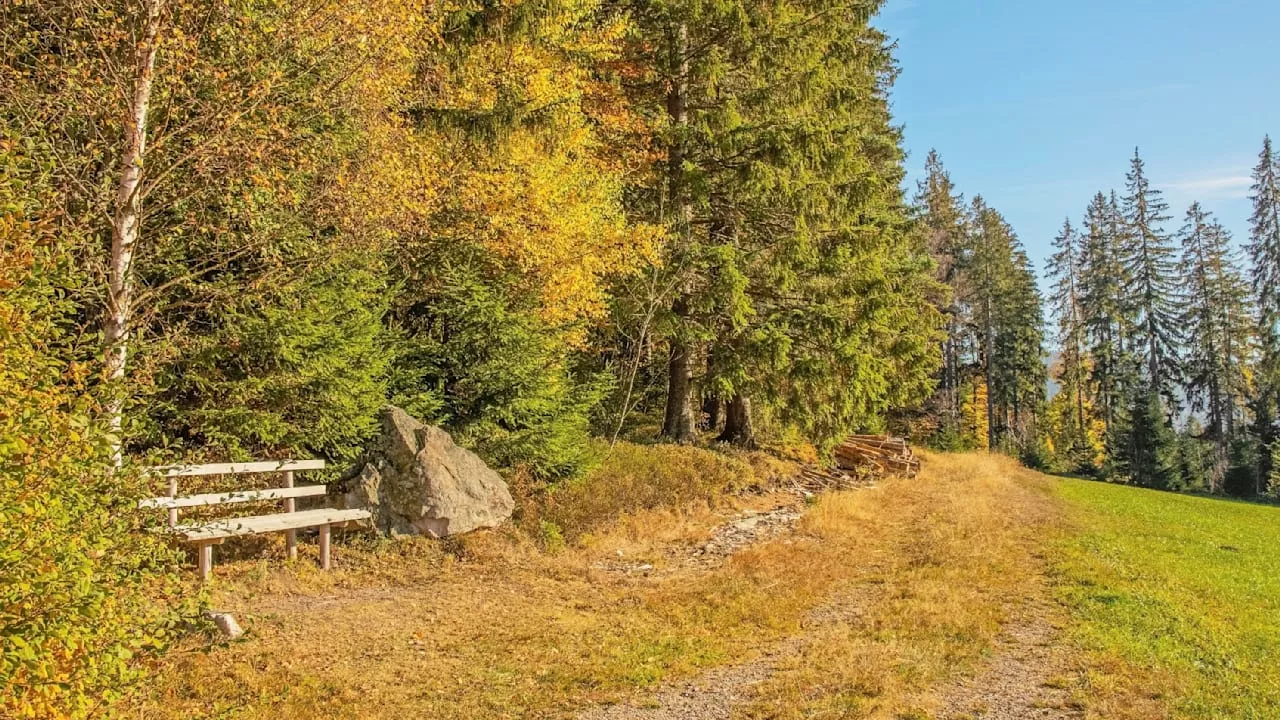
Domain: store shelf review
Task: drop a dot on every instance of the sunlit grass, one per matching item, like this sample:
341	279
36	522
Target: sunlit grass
1178	599
945	561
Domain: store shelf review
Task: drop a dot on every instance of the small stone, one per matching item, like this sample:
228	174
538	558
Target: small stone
227	624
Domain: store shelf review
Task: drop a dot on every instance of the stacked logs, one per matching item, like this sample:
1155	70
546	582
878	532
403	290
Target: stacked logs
883	454
814	480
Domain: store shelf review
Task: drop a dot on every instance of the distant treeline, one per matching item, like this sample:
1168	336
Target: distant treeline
1169	344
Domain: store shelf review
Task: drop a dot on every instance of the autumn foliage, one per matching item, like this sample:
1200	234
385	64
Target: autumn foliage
271	217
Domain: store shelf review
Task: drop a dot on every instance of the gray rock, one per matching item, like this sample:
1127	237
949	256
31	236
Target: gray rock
416	481
226	623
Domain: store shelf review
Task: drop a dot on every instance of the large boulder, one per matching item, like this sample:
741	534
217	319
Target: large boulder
416	481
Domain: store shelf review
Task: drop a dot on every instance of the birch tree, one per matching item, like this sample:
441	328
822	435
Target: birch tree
126	220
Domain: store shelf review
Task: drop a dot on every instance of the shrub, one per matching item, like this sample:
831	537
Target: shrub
299	367
485	366
77	577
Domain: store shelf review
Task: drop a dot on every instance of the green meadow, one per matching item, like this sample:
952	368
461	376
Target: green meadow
1176	597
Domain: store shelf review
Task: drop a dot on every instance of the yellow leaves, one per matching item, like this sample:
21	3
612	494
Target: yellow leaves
555	216
973	411
541	196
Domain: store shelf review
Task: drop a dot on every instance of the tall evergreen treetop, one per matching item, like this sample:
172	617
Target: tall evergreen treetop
1067	302
1217	325
1104	307
1008	322
1264	240
1151	264
1264	253
942	219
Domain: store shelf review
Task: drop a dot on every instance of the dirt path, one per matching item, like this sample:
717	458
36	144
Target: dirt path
716	693
880	589
1027	677
710	697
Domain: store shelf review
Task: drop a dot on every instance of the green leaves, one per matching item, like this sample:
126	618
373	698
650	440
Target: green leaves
77	576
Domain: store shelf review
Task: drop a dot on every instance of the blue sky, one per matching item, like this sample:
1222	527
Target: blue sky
1037	105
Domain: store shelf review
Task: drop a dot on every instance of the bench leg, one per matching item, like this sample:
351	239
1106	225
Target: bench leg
291	542
204	552
324	547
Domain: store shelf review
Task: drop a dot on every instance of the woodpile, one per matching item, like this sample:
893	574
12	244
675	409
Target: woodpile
814	480
882	454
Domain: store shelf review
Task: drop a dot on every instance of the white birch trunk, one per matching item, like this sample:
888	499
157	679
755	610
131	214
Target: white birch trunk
126	223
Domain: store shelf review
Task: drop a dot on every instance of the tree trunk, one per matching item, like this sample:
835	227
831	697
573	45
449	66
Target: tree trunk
737	423
679	423
989	374
1230	399
711	412
680	420
126	223
951	369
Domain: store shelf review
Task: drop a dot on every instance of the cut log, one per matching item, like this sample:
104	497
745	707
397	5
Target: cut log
881	454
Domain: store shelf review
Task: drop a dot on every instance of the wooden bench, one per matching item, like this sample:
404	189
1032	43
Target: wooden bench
204	535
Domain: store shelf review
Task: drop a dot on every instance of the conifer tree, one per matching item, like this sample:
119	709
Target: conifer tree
1103	307
1066	301
500	279
1149	453
1264	253
942	218
1020	351
1264	245
1217	326
781	200
1151	264
989	255
1007	320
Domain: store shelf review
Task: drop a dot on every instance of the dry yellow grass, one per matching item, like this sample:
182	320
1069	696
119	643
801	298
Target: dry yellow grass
492	627
940	565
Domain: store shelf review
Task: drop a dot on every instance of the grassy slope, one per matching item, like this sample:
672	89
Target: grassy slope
1176	596
492	628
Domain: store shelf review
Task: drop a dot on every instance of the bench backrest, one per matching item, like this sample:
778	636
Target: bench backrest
172	502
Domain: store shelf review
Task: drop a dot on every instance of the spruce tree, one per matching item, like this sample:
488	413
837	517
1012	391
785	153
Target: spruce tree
1103	307
1264	253
1149	455
1264	246
1021	352
783	202
942	219
1151	264
1008	323
989	255
1217	326
1065	269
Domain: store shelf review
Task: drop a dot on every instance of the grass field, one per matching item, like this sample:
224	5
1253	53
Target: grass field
1177	599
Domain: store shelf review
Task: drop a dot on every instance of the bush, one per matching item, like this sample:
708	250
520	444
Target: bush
475	360
300	367
77	577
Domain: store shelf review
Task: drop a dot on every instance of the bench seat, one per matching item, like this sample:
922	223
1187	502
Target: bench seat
234	527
